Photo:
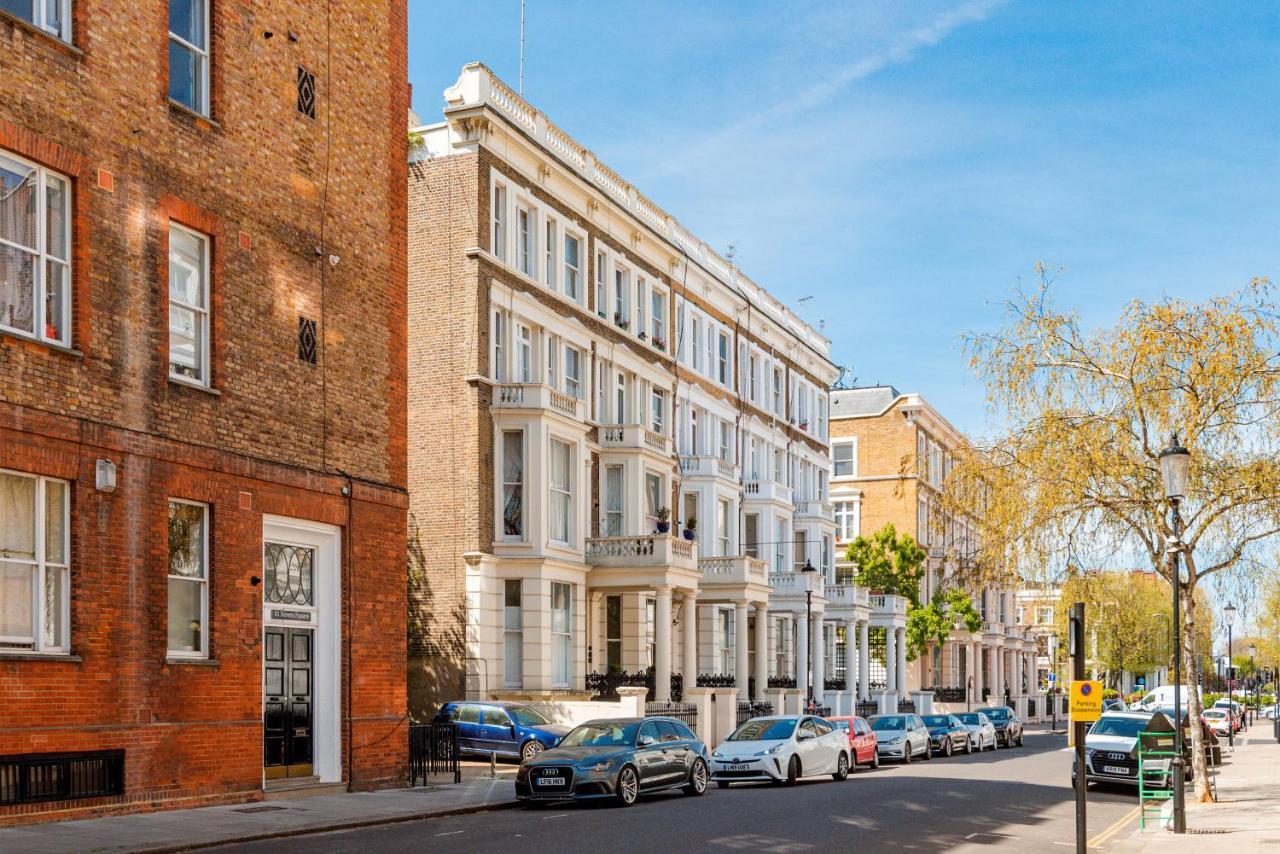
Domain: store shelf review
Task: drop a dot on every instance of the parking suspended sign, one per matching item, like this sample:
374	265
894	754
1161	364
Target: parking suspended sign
1086	700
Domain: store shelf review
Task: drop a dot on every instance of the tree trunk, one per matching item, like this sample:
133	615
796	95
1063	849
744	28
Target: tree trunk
1199	766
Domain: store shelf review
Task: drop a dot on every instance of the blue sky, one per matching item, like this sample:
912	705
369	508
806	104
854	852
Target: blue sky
907	164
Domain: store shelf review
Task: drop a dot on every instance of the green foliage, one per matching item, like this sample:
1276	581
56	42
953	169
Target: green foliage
934	622
888	563
415	139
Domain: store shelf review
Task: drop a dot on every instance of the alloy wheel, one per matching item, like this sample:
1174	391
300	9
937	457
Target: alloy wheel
628	786
530	750
697	778
842	767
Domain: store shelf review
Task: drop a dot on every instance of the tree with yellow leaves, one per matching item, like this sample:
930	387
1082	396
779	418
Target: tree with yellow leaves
1075	480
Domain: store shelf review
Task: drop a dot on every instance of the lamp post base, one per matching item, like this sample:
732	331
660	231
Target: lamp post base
1179	784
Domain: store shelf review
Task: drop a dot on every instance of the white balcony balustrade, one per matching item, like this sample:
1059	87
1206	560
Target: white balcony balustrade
815	510
536	396
848	596
767	490
882	603
649	551
792	584
634	437
737	569
708	466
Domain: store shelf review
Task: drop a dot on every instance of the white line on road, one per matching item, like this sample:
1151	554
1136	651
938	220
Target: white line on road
451	833
999	835
561	815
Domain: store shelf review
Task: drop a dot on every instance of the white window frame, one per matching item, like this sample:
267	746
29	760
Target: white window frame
41	257
573	379
641	310
201	312
40	19
726	441
561	636
658	317
725	618
658	410
513	635
614	475
501	521
852	445
526	235
697	343
203	581
621	295
202	55
551	359
723	373
551	245
40	569
848	520
500	326
524	369
557	493
498	219
777	391
653	492
570	234
602	283
723	515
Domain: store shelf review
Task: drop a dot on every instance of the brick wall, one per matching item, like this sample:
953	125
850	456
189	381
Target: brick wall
884	443
278	193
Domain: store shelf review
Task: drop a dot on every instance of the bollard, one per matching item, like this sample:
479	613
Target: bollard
493	765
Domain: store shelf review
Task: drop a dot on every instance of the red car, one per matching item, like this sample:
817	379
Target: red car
862	741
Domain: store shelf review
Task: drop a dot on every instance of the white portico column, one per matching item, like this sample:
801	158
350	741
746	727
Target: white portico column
802	659
976	652
864	660
741	663
689	622
662	646
902	661
851	655
762	651
819	649
598	664
890	659
968	668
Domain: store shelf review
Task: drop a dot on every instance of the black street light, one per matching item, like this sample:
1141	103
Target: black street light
1175	461
1253	677
1230	611
811	581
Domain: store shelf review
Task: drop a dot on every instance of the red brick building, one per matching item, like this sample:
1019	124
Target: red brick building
202	401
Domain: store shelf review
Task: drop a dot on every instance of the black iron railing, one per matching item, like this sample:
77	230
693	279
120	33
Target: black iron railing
748	710
866	708
906	707
948	695
433	749
716	680
834	684
687	713
35	777
782	681
604	686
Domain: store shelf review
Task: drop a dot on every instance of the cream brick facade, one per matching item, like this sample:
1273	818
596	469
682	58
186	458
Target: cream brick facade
577	361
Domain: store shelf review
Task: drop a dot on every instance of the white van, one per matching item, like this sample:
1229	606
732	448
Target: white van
1162	697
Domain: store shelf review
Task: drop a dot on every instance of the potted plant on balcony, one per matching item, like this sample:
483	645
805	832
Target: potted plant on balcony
664	520
620	321
659	342
690	526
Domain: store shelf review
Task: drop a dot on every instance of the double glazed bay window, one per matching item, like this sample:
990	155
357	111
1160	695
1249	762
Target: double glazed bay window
34	570
613	501
188	305
189	54
188	579
513	483
35	250
512	634
561	492
52	16
561	634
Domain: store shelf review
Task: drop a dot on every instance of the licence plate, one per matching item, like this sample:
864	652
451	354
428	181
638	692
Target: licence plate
1113	769
737	767
550	781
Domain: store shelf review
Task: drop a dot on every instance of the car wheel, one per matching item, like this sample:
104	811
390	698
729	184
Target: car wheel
793	771
842	767
946	748
906	754
697	778
875	759
1020	736
928	750
968	745
530	749
628	788
722	784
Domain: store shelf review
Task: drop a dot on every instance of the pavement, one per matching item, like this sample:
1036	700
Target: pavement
1246	817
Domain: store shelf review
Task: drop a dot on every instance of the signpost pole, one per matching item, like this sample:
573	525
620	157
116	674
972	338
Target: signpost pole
1077	727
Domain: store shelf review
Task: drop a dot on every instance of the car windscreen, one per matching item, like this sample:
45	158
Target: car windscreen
997	715
889	722
970	718
602	734
937	720
1214	713
526	716
842	725
1124	727
764	729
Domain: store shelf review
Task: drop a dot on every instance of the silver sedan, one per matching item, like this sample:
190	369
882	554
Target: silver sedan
981	729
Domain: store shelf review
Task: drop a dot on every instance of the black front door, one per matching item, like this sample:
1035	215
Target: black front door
287	708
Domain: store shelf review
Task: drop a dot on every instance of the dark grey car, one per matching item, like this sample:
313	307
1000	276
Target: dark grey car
618	758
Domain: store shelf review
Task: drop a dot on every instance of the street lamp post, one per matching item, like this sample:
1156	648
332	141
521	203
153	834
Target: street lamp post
810	575
1253	677
1175	461
1230	611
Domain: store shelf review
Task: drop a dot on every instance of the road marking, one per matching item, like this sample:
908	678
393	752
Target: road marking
1113	829
1000	835
561	815
451	833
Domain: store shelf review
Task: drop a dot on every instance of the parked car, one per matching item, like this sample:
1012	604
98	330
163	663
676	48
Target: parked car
947	734
620	758
862	741
1007	723
1111	748
1218	720
781	749
1235	709
1114	704
505	729
981	730
901	737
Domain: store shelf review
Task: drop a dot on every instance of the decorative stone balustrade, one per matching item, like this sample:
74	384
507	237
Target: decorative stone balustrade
767	490
816	510
792	583
633	437
888	604
736	569
536	396
653	550
847	596
707	466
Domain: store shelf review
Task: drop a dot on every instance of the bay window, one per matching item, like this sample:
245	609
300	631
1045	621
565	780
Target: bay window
658	410
751	534
552	359
549	249
561	634
561	492
512	634
525	241
499	367
35	250
189	54
722	373
658	319
573	372
35	548
602	278
188	579
613	501
572	266
653	499
524	354
188	305
513	483
722	527
498	228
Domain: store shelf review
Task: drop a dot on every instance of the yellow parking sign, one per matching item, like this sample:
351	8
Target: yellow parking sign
1086	700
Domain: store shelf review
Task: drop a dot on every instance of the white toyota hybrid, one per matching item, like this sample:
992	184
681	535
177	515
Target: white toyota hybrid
781	749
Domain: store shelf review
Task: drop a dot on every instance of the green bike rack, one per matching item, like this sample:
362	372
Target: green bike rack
1155	764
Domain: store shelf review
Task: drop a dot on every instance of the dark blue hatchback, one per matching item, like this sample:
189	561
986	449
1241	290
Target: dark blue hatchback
506	729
